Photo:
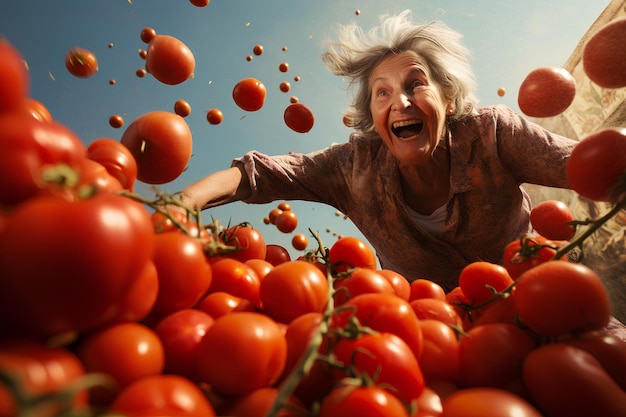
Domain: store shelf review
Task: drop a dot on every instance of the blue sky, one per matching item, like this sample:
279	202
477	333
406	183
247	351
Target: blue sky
509	38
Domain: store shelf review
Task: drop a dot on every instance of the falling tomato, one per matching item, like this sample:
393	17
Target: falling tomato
546	92
141	72
299	117
200	3
81	62
283	67
257	50
249	94
285	87
116	121
299	241
604	55
215	116
501	91
147	34
182	108
169	60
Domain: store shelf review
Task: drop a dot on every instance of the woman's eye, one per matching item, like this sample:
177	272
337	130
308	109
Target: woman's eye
417	83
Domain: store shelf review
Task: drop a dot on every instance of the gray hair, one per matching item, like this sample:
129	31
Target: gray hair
357	53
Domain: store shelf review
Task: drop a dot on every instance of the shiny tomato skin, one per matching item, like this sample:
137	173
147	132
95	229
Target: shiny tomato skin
479	279
14	77
116	158
162	395
557	298
139	300
248	240
604	57
79	285
383	313
81	62
42	370
147	34
385	358
183	270
549	219
36	109
399	283
351	252
180	333
29	148
236	278
276	254
347	400
360	281
546	92
300	282
492	354
169	60
565	381
425	288
124	351
299	333
432	308
440	358
249	94
224	354
596	164
299	241
161	143
299	117
286	221
217	304
94	176
215	116
182	108
522	254
258	404
487	402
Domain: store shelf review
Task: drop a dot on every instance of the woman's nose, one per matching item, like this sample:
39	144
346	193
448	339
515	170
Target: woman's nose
401	102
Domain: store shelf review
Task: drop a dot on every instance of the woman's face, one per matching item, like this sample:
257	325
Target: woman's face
408	107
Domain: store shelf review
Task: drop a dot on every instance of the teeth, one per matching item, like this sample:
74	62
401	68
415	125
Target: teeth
404	123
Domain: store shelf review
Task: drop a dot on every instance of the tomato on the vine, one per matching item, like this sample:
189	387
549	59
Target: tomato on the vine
550	219
241	352
480	280
236	278
116	158
219	303
161	143
360	281
522	254
169	60
440	356
362	401
247	240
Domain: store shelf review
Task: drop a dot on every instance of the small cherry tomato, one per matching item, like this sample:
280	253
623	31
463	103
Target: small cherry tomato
182	108
81	62
299	241
285	86
249	94
257	50
287	221
147	34
116	121
283	67
214	116
549	218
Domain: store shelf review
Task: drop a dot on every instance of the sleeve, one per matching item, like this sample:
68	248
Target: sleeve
530	152
317	176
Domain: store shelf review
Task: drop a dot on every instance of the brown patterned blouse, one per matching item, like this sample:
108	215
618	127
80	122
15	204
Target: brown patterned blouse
492	153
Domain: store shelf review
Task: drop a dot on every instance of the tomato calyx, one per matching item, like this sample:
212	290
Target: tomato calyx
529	248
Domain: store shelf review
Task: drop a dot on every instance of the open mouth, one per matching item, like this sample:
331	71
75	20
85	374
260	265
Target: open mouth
407	128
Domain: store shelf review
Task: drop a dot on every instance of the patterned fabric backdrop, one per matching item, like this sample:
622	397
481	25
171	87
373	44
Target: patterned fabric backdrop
593	109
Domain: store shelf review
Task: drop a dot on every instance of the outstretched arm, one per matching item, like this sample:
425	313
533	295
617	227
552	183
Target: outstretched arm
221	187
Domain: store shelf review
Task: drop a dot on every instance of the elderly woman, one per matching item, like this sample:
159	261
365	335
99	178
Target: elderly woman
432	181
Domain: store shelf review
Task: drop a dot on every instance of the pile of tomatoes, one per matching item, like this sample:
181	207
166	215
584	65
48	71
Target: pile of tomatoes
114	304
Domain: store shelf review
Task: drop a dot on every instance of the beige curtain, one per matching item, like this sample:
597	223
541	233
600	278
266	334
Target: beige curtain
593	109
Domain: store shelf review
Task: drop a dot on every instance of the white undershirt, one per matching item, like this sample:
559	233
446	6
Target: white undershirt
431	223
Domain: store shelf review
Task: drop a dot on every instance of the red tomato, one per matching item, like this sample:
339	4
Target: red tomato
549	218
479	280
125	351
487	402
249	242
351	251
257	50
492	354
299	117
604	57
249	94
299	334
259	402
273	214
94	176
429	403
236	278
139	300
287	221
383	313
14	77
159	395
299	241
425	288
36	109
597	163
147	34
362	401
276	254
285	86
224	354
79	285
169	60
546	92
161	144
41	370
116	158
566	381
116	121
29	149
522	254
440	356
360	281
301	283
214	116
399	283
81	62
184	272
386	359
432	308
182	108
200	3
283	67
558	298
260	266
217	304
180	333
